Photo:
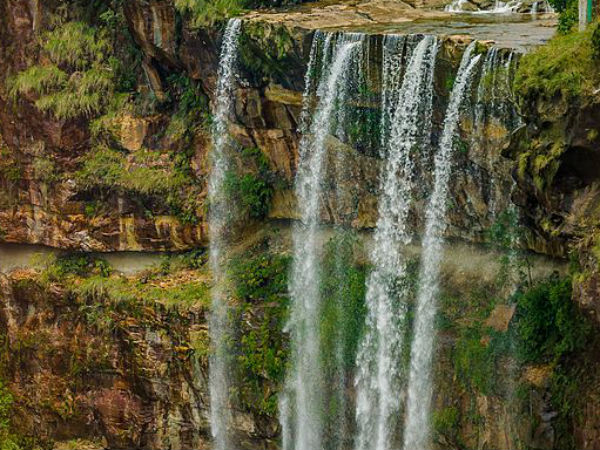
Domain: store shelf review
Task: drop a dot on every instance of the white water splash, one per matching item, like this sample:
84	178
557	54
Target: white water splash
416	431
219	215
378	380
500	7
301	404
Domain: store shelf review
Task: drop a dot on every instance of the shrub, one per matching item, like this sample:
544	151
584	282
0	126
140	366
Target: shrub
596	42
252	192
57	268
568	18
446	424
150	174
549	324
203	13
473	361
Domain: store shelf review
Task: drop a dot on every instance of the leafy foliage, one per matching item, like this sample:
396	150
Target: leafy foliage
473	361
261	290
563	67
343	292
252	191
45	170
7	440
78	79
169	291
568	17
207	12
150	174
446	423
548	322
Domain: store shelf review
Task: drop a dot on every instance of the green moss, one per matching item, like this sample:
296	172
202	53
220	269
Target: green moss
343	296
564	67
473	361
446	425
261	291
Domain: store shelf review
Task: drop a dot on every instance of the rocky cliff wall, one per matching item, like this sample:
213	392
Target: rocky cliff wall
63	210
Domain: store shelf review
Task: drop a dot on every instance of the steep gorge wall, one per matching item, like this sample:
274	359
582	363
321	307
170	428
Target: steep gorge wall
63	213
164	395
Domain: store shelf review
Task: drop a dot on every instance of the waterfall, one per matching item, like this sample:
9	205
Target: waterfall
219	217
378	378
301	407
494	105
500	7
534	9
416	432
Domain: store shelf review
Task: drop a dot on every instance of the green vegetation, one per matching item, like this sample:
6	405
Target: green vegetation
504	235
446	423
77	80
149	174
207	12
44	170
341	322
202	13
474	363
7	440
11	173
161	180
565	67
265	51
178	292
568	14
548	322
343	293
261	292
91	278
252	192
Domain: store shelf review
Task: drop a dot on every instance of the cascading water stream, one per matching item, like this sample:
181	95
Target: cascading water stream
378	379
301	405
219	217
416	431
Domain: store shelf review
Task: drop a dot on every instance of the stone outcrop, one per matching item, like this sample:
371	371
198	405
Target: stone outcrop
122	374
273	57
137	381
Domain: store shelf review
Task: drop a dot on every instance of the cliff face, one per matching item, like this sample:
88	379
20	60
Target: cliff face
555	153
104	370
63	210
123	362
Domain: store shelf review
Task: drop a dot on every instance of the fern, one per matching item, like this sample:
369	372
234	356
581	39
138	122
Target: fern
77	82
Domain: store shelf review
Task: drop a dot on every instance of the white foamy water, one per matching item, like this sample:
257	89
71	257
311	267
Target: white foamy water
219	216
301	404
379	380
417	426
